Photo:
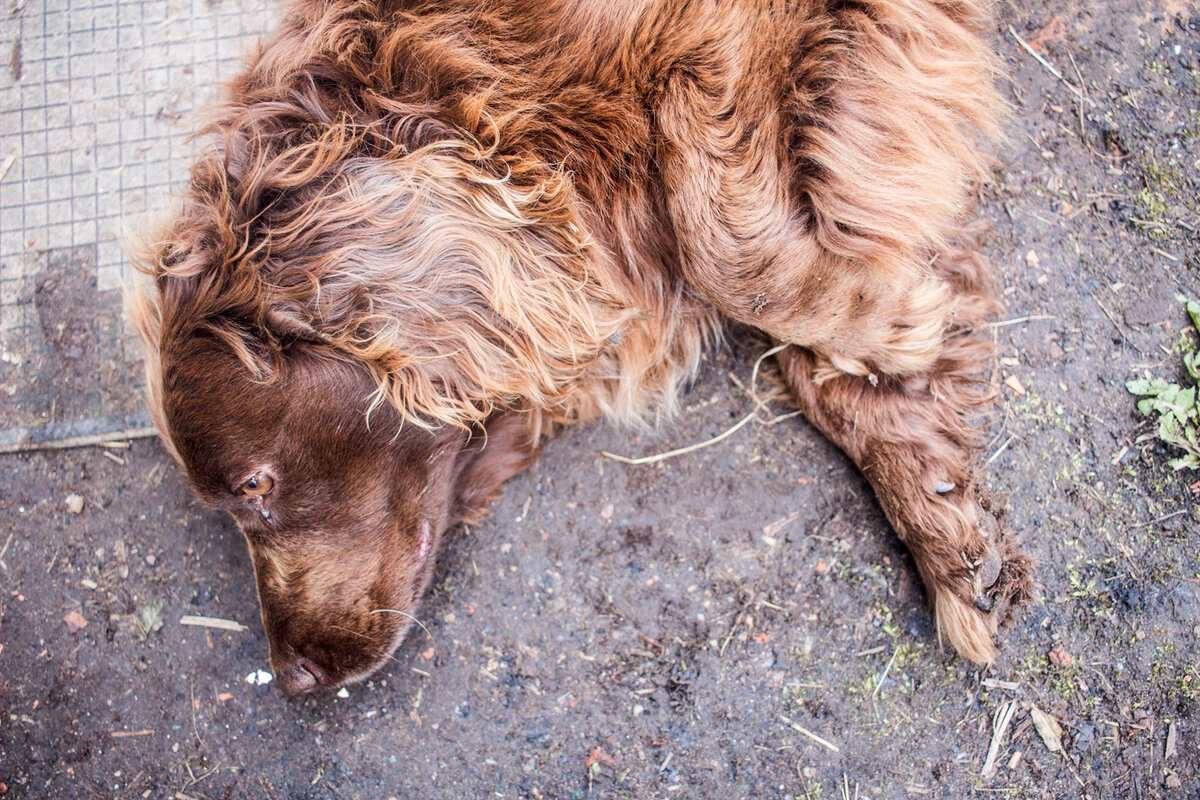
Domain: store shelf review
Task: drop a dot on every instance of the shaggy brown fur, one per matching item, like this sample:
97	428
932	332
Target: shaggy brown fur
429	233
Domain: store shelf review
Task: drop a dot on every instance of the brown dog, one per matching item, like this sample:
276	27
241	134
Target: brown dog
428	236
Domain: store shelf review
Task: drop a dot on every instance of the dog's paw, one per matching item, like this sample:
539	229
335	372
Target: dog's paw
965	628
1000	581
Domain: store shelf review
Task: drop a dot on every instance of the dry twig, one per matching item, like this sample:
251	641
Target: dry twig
753	415
212	622
1000	723
79	441
1017	321
1049	67
798	728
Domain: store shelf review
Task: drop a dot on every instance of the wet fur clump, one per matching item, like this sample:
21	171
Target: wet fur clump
425	236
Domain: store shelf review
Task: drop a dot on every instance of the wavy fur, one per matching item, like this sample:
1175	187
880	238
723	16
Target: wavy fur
542	212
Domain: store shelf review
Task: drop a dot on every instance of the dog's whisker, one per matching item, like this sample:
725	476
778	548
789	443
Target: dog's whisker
404	614
381	652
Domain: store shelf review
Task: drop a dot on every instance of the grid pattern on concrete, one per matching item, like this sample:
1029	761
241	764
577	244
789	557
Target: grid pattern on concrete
95	109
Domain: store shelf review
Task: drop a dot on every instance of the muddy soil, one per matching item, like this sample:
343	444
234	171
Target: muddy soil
63	376
736	623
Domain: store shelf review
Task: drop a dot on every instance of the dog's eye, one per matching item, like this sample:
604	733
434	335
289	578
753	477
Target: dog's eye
260	484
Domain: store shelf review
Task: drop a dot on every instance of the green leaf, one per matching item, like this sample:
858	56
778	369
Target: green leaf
1177	408
1169	431
1190	461
1177	402
1191	361
1139	386
1147	385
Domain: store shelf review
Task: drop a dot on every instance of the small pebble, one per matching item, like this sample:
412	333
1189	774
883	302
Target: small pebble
343	693
150	559
1059	657
943	487
260	677
74	504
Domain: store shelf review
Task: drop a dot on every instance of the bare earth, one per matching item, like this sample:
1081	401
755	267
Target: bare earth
739	622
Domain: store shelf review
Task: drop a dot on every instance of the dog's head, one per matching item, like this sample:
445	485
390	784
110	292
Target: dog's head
361	315
341	505
341	502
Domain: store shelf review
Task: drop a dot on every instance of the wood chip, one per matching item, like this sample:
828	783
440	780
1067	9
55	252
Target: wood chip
869	651
996	683
1170	751
124	734
212	622
1013	383
75	622
779	524
1048	728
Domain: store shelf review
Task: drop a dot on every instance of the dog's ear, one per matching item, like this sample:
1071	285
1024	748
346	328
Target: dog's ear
145	314
499	448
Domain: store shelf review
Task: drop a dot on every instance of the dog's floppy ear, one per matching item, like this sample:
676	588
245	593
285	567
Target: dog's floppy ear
500	447
145	314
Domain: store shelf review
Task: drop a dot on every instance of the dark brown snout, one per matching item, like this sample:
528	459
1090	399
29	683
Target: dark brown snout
298	676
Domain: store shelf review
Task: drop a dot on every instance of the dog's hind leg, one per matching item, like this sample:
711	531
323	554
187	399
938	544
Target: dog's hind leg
915	438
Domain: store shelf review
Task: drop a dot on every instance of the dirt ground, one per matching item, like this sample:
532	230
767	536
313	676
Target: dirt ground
736	623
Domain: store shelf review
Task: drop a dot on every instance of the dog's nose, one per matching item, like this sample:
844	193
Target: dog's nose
299	677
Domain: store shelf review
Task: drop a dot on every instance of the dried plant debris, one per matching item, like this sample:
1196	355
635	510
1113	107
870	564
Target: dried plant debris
1175	405
1048	728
